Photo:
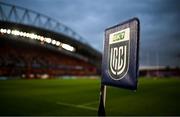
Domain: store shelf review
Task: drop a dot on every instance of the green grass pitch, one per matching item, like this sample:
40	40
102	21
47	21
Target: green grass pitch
81	96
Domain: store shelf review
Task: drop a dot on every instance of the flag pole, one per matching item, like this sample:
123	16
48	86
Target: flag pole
102	101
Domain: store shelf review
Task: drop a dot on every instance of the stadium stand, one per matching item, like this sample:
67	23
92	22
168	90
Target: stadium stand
31	48
20	59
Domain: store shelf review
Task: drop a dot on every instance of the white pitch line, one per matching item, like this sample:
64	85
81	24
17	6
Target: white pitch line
77	106
90	103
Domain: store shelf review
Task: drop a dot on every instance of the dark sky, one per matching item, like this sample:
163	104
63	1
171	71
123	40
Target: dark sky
160	23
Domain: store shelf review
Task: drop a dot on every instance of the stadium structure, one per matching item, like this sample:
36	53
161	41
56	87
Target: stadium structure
33	45
159	71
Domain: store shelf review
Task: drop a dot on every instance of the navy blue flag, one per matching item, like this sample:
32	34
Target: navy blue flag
121	55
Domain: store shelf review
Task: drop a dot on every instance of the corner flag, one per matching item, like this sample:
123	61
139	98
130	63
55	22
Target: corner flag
120	61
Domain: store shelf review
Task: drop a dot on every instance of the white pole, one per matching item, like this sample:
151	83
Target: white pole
104	96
